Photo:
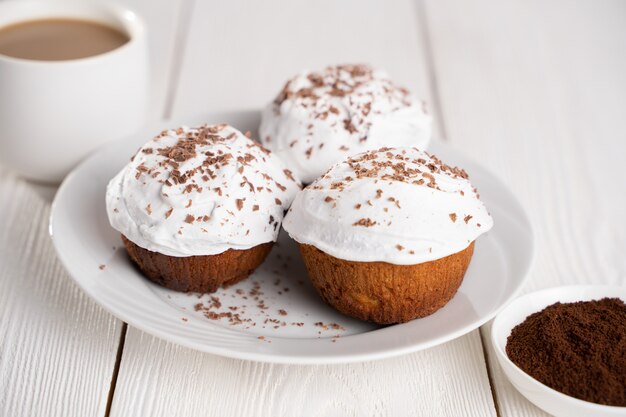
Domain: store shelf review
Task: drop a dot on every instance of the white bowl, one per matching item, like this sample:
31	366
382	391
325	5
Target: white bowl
544	397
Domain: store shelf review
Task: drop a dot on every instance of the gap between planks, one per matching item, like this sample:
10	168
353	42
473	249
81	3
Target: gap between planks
494	394
116	368
422	21
180	42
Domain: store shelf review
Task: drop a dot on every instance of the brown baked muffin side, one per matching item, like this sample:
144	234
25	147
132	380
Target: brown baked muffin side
197	273
385	293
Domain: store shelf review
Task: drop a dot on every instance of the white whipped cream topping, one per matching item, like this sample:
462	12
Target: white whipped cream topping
401	206
200	191
320	118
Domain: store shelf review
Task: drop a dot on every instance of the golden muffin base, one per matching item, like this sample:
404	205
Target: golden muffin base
385	293
197	273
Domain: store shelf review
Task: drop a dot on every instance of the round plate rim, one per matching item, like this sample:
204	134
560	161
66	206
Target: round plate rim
272	357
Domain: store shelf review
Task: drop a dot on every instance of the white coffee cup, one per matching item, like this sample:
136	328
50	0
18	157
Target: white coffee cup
54	113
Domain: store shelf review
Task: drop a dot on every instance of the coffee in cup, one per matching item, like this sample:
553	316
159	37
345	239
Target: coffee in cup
73	75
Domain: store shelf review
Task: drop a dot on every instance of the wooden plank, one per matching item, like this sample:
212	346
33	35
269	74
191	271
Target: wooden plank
237	55
158	378
535	91
57	347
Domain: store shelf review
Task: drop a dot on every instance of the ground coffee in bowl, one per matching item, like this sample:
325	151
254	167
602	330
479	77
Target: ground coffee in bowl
578	349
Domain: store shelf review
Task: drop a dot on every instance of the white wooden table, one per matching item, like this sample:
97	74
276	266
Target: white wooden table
534	90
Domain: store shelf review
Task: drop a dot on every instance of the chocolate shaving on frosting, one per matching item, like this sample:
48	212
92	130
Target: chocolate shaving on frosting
199	186
352	107
367	223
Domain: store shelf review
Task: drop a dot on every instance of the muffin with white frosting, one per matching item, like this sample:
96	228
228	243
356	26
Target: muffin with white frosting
199	208
321	117
387	235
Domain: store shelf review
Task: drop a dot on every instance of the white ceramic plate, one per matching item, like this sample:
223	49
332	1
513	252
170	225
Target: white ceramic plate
306	330
544	397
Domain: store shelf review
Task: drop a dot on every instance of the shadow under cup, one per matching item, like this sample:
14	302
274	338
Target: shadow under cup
54	113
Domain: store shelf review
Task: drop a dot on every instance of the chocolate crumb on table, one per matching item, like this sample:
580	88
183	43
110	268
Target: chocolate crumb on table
102	266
